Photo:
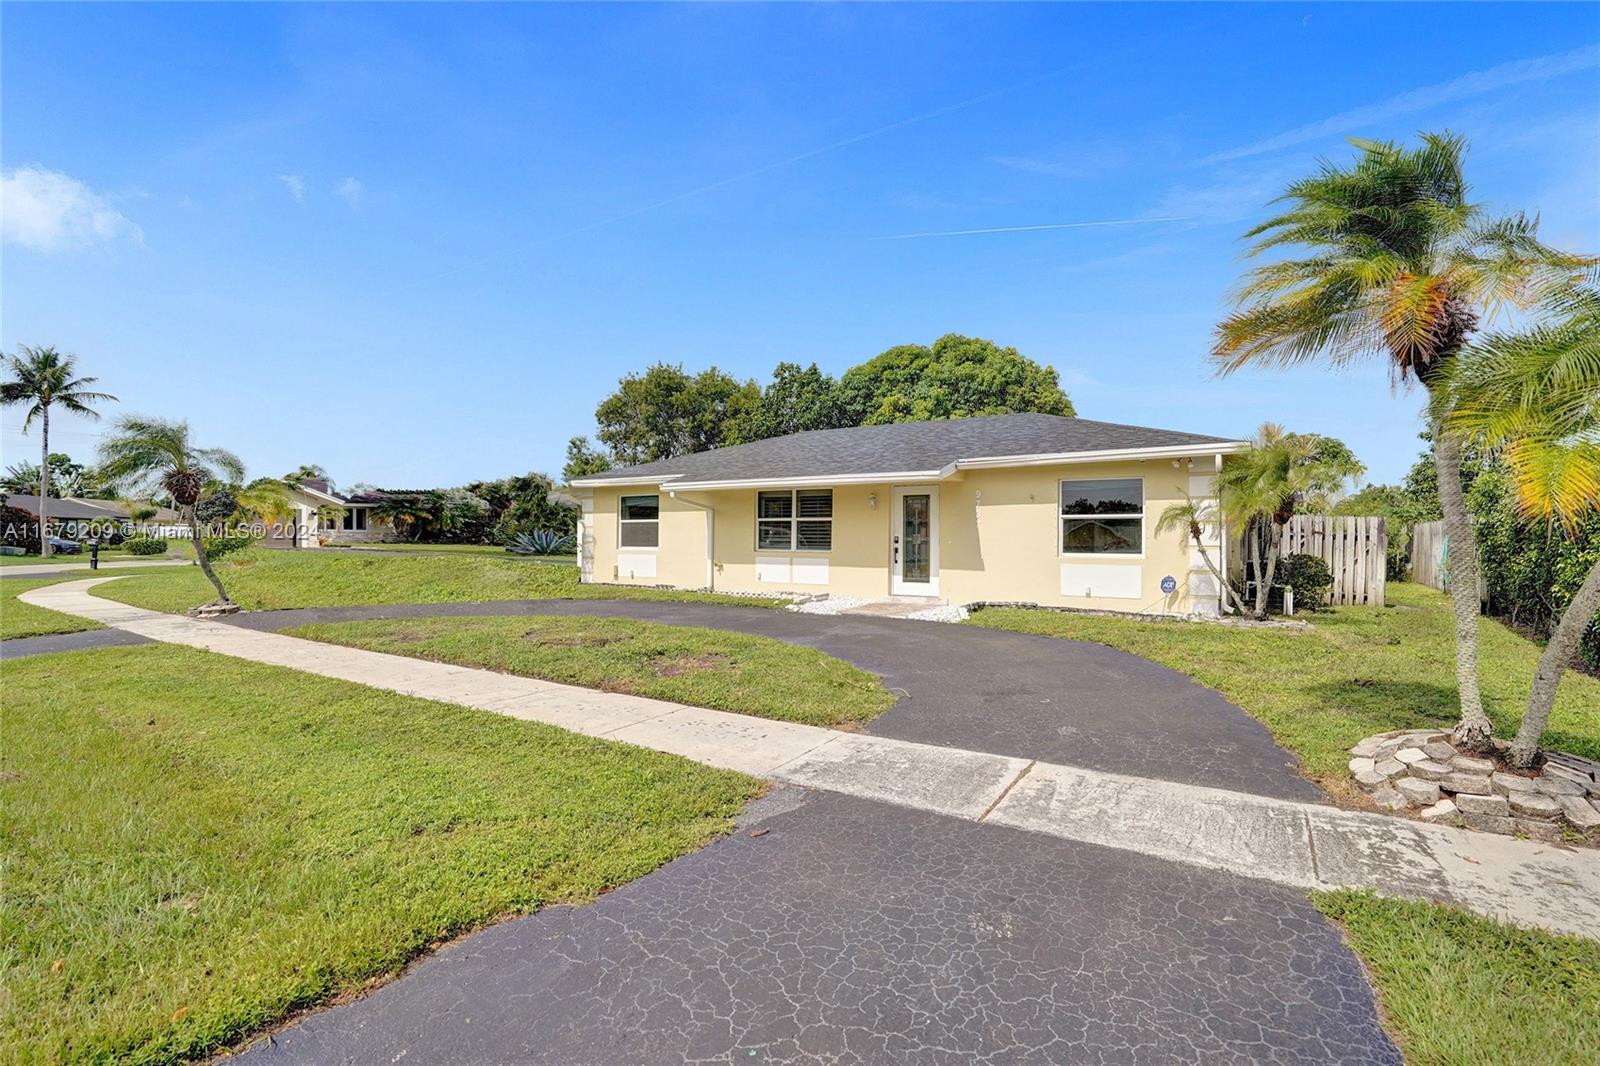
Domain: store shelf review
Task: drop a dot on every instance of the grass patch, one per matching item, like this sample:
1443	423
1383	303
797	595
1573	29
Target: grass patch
727	671
106	554
18	619
1460	990
1359	671
260	579
199	845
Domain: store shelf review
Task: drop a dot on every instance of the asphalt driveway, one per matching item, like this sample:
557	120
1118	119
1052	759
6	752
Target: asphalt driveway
982	689
851	931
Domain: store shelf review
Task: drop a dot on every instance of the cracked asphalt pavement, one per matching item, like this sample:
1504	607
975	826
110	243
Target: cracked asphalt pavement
852	931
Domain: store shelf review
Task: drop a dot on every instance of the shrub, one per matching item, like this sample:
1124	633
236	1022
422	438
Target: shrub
217	547
145	545
19	529
1310	578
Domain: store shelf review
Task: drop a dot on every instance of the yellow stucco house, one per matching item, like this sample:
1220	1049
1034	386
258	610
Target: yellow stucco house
1024	508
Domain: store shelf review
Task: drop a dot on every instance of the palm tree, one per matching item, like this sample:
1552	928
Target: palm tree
1392	259
1260	489
1535	396
157	455
1194	517
42	378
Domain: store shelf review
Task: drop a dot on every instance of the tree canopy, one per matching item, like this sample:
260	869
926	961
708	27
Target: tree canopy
957	377
666	412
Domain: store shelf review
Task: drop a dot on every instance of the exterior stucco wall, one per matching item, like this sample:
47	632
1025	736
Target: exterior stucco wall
999	534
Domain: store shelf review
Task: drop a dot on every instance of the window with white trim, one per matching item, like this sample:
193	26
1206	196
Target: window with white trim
798	520
354	519
639	522
1104	516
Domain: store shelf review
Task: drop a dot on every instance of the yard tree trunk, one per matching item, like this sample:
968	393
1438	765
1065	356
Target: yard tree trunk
201	557
44	481
1553	663
1474	729
1268	531
1228	597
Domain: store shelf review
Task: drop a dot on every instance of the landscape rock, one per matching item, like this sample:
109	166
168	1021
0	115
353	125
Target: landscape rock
1489	823
1367	748
1389	799
1472	764
1534	805
1580	812
1410	755
1390	767
1429	770
1360	765
1534	829
1557	786
1439	749
1510	784
1473	784
1444	812
1370	780
1422	793
1496	806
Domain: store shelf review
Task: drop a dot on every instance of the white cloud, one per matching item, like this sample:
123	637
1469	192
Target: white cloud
296	186
1477	83
352	191
50	212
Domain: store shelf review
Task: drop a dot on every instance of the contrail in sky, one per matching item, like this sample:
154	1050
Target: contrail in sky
763	169
1026	229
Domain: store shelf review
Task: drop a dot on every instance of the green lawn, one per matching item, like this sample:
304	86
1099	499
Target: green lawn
263	579
18	619
704	667
1359	671
492	551
196	845
1460	990
106	554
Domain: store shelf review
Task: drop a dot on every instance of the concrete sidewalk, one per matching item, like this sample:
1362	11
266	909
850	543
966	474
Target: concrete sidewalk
1302	845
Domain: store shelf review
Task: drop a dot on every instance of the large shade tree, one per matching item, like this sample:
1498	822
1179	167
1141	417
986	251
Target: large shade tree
155	457
42	378
955	377
1535	396
666	412
1387	256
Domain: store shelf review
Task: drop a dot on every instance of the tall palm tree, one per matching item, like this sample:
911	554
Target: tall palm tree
1389	258
156	455
42	378
1535	396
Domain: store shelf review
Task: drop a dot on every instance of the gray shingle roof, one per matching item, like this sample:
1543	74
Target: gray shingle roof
904	447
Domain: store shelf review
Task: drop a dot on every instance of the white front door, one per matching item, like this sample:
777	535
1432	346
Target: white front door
914	542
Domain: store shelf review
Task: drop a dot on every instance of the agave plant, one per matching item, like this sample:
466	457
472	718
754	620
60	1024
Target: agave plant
541	542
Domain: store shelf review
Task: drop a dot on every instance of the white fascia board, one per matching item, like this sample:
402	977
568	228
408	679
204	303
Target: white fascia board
1179	451
821	481
624	482
309	491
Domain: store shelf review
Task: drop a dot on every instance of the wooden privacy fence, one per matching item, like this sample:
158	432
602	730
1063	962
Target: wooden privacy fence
1427	555
1356	550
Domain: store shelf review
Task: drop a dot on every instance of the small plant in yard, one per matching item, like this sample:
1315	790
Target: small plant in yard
541	542
1310	578
160	456
217	547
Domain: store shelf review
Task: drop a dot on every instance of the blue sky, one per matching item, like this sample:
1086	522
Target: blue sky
417	244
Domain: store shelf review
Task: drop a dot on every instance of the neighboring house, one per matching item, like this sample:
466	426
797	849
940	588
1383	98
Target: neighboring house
75	515
1025	508
357	525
